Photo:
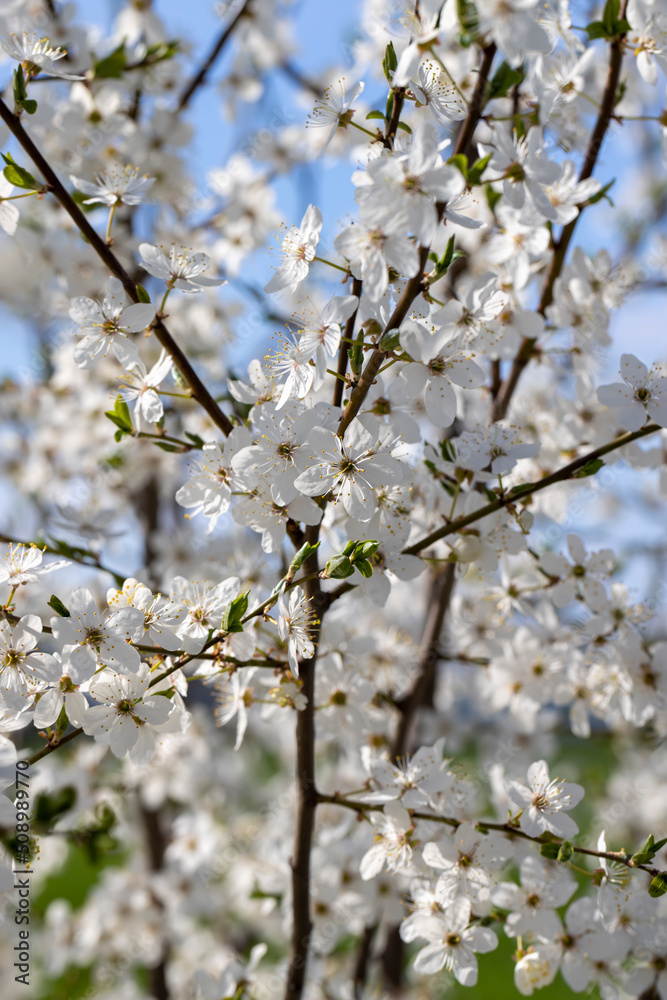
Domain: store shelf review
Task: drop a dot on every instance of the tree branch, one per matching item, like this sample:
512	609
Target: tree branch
200	76
438	603
559	476
109	259
306	793
414	284
483	827
527	347
348	333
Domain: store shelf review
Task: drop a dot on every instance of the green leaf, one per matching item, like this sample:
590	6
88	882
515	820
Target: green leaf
20	90
648	850
479	166
390	106
356	354
389	340
612	9
596	29
364	550
196	440
338	568
390	62
304	552
550	851
372	115
58	606
447	451
19	176
161	51
492	197
611	24
364	567
143	295
21	93
234	612
658	886
602	193
49	806
565	851
120	416
443	264
112	66
503	80
468	17
404	128
460	161
589	469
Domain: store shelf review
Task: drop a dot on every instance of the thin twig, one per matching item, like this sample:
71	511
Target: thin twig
483	827
521	493
200	76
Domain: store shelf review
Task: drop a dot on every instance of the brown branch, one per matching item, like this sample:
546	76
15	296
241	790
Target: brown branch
476	105
362	961
306	793
522	493
109	259
438	603
50	747
527	348
483	827
200	76
398	100
348	333
414	286
368	375
156	844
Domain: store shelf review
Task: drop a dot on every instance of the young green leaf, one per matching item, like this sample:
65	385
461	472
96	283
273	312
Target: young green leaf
58	606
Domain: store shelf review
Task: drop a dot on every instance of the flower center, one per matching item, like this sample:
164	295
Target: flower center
94	637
